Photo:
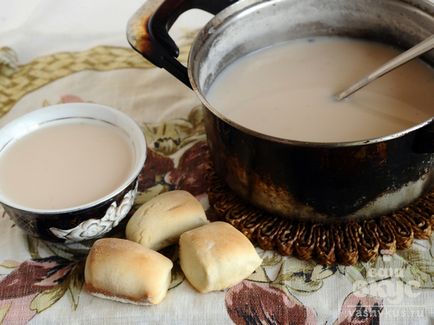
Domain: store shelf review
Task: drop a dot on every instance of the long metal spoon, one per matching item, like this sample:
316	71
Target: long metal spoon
404	57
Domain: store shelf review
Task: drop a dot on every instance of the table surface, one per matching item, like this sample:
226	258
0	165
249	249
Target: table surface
71	51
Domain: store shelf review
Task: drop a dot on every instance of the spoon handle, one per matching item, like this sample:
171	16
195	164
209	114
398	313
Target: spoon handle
404	57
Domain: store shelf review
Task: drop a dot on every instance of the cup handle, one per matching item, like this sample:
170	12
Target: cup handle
148	28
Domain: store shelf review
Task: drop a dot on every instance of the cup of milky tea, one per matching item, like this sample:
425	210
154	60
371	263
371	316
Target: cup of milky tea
69	172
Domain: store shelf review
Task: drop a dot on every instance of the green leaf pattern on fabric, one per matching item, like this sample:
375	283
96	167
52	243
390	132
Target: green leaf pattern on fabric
169	137
3	312
9	264
33	247
75	283
295	275
47	298
410	266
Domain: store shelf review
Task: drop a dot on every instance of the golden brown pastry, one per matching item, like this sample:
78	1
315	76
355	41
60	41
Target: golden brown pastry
216	256
160	221
125	271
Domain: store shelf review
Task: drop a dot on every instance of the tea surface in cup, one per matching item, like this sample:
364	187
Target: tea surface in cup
65	165
287	91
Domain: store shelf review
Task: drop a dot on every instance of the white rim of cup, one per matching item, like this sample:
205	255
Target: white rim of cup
34	120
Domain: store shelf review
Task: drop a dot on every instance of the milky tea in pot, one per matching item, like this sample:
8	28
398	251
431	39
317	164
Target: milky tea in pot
287	91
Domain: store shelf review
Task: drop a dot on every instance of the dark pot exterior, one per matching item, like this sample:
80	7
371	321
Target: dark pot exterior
76	226
323	182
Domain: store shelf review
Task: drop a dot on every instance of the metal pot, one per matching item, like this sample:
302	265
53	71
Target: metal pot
330	181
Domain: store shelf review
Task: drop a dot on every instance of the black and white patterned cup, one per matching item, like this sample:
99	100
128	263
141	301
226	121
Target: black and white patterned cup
92	220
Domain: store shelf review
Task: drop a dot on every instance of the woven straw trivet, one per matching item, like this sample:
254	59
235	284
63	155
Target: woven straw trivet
343	243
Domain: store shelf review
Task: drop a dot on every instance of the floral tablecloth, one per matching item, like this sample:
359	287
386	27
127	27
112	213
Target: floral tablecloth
56	52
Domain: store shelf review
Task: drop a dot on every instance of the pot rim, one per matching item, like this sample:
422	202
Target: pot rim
245	5
310	143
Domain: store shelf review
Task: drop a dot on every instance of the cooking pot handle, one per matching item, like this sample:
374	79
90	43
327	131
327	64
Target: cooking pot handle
148	29
424	140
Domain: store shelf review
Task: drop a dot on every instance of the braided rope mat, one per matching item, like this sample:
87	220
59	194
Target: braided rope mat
18	80
46	69
343	243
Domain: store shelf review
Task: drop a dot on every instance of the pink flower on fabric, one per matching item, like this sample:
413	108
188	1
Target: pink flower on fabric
193	165
156	165
34	276
32	287
17	310
71	99
260	303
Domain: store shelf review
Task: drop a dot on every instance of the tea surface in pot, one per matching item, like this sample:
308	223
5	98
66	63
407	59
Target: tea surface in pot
287	91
